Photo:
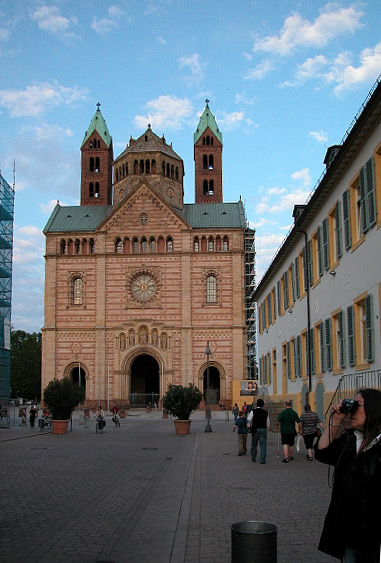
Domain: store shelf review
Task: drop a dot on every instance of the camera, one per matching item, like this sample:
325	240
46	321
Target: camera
348	406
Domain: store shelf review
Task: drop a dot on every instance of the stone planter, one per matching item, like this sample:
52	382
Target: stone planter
182	426
59	426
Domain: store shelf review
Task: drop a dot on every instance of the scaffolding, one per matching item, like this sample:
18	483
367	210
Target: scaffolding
6	252
250	312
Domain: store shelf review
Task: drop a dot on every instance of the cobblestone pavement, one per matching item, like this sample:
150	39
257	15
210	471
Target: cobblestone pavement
141	493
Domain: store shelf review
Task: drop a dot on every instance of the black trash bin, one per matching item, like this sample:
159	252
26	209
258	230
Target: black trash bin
254	542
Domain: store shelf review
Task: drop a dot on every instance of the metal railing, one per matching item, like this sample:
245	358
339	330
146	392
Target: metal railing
139	400
350	384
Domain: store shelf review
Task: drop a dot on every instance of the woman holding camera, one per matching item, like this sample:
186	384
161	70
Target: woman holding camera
352	530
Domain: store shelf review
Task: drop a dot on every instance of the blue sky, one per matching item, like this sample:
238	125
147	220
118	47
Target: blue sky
284	80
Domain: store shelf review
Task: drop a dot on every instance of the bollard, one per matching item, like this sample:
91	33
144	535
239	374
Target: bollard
87	422
226	416
254	542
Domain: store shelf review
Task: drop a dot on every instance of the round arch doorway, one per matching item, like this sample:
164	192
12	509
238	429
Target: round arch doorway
214	382
78	377
145	381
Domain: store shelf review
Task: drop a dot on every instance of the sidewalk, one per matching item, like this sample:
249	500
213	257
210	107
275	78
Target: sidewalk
140	493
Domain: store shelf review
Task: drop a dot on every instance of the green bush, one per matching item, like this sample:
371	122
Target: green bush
61	396
181	401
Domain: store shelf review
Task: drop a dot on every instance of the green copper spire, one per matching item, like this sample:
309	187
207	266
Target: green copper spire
207	120
98	124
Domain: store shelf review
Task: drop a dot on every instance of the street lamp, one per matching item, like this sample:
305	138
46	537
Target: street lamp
208	415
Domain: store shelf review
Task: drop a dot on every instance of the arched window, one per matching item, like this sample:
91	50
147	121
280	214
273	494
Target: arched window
135	246
147	166
97	164
122	341
141	170
63	247
163	168
92	164
152	245
177	173
225	244
168	170
210	245
76	290
208	140
144	244
91	189
169	244
196	245
172	171
211	187
205	187
116	175
211	162
136	164
211	140
205	161
91	246
77	246
96	194
126	168
118	246
211	289
153	166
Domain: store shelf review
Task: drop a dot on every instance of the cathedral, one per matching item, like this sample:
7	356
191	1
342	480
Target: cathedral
137	282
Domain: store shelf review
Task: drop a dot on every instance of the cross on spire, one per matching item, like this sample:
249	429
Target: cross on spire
98	106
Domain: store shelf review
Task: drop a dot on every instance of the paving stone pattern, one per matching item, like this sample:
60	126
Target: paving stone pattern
140	493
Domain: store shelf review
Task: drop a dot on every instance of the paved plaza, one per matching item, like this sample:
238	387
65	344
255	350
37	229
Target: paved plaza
141	493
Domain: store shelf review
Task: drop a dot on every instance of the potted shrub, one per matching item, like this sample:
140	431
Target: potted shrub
180	402
61	396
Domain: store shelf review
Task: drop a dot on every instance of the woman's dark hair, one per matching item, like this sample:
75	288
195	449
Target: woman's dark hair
372	408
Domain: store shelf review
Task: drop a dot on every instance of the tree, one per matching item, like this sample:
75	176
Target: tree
26	364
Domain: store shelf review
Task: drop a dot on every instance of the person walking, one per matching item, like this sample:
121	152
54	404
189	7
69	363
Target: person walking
308	427
241	424
258	419
32	415
286	420
235	411
352	533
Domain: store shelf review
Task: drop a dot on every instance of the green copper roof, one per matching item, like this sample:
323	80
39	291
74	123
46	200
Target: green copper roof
86	218
219	215
76	218
207	120
98	124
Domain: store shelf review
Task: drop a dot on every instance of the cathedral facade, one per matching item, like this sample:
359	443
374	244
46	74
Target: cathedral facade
137	282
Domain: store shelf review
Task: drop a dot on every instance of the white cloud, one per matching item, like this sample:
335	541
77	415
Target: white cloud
30	230
166	112
298	32
243	99
320	136
303	175
109	23
260	71
35	100
4	34
49	19
230	121
196	67
311	68
161	40
348	77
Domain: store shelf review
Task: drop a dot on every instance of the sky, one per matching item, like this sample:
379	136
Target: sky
284	79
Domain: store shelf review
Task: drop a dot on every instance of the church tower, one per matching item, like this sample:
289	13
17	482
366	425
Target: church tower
208	159
96	163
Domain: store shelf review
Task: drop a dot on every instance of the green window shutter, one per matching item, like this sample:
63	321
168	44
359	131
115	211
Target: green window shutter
347	221
309	262
261	370
305	268
369	327
322	347
274	303
269	370
265	369
369	193
298	356
278	296
320	251
325	244
260	318
293	288
341	339
328	344
288	359
351	336
312	340
295	359
269	309
363	201
264	315
338	230
285	290
297	285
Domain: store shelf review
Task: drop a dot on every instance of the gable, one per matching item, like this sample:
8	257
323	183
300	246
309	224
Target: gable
143	211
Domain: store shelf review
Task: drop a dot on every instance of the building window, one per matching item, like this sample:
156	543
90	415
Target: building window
169	244
211	289
225	244
118	246
210	244
152	245
347	220
196	245
144	245
367	195
363	328
76	290
325	244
